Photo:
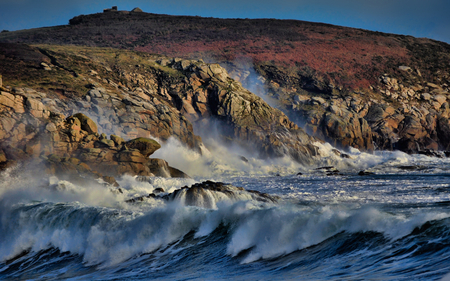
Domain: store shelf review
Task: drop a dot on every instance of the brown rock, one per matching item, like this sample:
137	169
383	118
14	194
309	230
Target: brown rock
161	168
117	140
2	156
146	146
7	123
111	180
86	123
6	99
35	107
132	168
130	156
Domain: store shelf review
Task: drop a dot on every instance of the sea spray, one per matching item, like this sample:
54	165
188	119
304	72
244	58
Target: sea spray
351	226
223	161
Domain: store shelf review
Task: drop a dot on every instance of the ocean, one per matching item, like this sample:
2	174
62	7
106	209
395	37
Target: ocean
330	222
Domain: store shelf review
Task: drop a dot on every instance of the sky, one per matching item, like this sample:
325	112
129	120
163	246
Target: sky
419	18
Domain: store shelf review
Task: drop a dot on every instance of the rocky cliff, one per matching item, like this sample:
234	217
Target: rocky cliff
403	111
348	86
69	147
61	103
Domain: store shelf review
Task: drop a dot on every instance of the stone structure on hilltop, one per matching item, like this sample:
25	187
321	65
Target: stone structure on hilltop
113	9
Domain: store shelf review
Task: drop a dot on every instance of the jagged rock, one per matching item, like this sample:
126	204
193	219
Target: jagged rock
340	127
376	113
104	143
35	107
73	147
74	170
207	194
7	99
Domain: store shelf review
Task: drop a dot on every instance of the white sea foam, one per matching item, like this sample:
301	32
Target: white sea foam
108	236
98	225
133	187
220	161
274	232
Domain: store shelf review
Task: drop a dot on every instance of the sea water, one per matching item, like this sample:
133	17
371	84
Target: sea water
391	224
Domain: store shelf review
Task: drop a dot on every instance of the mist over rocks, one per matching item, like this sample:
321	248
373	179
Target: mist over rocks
215	101
132	95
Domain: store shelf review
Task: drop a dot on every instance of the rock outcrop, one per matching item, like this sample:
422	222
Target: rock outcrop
412	118
70	147
207	194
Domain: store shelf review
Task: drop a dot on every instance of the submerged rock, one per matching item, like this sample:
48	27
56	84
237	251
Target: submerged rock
365	173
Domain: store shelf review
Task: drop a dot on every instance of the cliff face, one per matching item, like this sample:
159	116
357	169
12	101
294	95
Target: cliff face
331	79
128	95
403	111
212	99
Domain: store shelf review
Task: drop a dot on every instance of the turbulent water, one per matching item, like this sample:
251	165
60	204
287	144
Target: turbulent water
392	224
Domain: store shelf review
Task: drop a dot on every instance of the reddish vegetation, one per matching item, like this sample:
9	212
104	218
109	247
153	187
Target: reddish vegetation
351	58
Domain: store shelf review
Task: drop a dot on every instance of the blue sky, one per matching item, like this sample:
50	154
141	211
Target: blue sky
419	18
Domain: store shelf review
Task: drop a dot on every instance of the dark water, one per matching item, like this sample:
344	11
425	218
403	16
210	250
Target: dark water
392	225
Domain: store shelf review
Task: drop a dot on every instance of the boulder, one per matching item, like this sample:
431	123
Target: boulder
86	123
376	113
146	146
117	140
161	168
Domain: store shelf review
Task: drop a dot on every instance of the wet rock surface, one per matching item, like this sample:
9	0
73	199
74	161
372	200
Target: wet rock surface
207	194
